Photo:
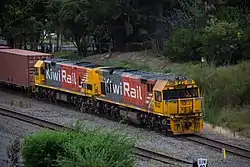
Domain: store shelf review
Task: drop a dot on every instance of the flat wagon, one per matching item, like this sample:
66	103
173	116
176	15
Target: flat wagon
17	66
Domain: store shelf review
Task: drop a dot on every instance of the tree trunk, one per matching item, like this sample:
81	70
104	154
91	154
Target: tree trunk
25	43
60	40
80	44
57	40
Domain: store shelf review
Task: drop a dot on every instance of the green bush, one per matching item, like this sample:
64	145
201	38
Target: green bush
230	14
182	45
219	42
68	149
42	149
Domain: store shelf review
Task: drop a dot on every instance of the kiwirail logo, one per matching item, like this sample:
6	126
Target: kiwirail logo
123	88
53	75
61	75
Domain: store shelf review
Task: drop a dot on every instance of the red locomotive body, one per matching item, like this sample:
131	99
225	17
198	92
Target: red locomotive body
68	77
134	92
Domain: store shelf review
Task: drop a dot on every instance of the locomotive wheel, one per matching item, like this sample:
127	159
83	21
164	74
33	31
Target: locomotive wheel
84	107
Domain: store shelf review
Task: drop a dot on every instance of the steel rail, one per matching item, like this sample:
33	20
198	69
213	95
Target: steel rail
242	152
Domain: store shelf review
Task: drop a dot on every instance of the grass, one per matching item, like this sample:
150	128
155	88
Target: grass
128	64
71	55
236	119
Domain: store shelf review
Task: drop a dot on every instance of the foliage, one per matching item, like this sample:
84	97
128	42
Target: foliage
190	15
230	14
90	148
220	41
182	45
23	21
236	119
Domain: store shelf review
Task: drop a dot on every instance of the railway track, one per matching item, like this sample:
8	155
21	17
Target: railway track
219	145
139	151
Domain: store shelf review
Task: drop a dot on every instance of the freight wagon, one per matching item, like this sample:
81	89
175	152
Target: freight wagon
17	67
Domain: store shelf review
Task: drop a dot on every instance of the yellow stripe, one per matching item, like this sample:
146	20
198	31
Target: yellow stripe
63	90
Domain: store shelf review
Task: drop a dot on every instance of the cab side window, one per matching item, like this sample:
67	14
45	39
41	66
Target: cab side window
36	71
158	96
42	71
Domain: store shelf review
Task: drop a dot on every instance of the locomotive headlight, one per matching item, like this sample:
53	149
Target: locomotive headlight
200	114
171	116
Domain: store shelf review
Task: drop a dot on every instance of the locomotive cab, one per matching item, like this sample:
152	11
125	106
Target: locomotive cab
39	72
181	102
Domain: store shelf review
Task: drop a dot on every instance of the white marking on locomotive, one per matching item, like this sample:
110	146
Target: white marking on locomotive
53	75
123	89
132	92
68	78
83	80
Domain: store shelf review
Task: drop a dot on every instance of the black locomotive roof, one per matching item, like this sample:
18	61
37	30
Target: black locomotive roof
155	76
60	61
121	70
143	74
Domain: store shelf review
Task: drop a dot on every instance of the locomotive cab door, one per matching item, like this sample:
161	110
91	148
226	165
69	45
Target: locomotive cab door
158	96
39	72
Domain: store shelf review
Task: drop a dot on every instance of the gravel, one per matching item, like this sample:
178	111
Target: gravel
11	130
151	140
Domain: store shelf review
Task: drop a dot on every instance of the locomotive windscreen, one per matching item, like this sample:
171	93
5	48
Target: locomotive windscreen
180	93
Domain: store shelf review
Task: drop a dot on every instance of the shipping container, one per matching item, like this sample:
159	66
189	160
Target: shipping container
17	66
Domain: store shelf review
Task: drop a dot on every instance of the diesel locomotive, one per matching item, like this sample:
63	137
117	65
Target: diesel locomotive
164	102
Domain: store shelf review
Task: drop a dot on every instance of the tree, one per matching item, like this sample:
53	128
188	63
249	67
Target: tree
24	21
74	19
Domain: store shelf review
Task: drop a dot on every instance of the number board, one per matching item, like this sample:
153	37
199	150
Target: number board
202	162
